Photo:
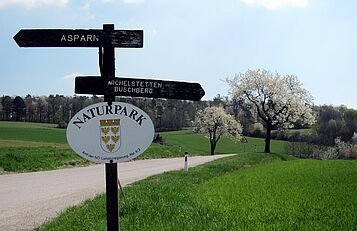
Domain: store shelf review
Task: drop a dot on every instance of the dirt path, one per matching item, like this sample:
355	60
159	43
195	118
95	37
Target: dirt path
29	199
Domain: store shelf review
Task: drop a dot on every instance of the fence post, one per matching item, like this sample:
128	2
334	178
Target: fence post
185	167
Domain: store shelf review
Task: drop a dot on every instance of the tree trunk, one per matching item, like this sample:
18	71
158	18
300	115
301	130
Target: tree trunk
213	146
267	139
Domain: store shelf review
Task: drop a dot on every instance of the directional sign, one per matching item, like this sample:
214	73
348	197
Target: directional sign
79	38
139	88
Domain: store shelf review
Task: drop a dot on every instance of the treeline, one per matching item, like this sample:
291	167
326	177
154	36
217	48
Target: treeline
59	109
331	122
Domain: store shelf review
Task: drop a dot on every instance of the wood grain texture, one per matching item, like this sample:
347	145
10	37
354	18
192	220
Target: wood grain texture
135	87
79	38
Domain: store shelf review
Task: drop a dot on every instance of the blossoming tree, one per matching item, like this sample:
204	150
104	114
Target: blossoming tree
279	100
216	122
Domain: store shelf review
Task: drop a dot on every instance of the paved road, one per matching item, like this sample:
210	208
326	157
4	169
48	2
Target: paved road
29	199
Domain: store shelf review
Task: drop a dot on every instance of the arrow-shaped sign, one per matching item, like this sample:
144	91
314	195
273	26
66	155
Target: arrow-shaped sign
150	88
79	38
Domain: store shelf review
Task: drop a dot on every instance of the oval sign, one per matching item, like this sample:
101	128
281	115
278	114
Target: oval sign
105	133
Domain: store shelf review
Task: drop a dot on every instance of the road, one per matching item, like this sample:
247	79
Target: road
27	200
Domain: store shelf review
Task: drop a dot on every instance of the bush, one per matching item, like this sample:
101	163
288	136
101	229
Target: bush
62	124
158	139
328	153
300	149
256	130
346	150
341	150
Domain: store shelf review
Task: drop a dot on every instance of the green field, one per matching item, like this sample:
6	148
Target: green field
32	147
251	191
36	132
194	144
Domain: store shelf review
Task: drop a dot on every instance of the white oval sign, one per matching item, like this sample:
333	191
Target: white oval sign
105	133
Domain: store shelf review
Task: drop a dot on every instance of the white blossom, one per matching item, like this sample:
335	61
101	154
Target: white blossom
216	122
280	100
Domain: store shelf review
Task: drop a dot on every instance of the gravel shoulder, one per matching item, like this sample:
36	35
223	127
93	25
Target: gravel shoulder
29	199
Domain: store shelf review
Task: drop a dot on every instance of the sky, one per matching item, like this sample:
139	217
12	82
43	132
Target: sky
202	41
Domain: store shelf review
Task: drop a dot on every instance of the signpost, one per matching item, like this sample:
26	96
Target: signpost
136	87
79	38
106	40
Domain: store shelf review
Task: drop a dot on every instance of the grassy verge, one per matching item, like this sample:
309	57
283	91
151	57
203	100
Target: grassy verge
27	159
245	192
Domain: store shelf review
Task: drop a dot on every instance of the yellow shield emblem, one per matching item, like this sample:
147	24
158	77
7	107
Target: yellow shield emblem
110	135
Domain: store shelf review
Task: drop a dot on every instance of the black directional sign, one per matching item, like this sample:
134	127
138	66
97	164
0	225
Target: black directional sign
151	88
79	38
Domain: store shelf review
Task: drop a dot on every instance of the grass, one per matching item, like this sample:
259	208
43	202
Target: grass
28	159
177	142
31	146
199	144
36	132
27	147
245	192
303	194
251	191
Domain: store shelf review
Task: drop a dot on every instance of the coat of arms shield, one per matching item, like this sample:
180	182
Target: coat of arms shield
110	135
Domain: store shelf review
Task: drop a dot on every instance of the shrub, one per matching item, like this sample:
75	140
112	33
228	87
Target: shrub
327	153
256	130
346	150
300	149
158	139
62	124
341	150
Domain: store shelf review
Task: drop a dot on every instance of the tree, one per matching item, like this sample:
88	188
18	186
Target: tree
280	100
335	122
6	103
19	108
216	122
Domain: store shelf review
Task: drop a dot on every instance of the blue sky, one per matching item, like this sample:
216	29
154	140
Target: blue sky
203	41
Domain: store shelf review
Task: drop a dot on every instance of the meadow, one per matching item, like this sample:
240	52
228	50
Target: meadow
250	191
26	147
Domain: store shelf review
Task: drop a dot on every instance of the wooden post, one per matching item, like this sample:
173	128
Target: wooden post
107	68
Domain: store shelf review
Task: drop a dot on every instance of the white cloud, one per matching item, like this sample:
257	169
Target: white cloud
276	4
86	6
33	3
133	1
126	1
71	76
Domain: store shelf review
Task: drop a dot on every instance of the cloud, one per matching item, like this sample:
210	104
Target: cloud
86	6
71	76
33	3
132	2
276	4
